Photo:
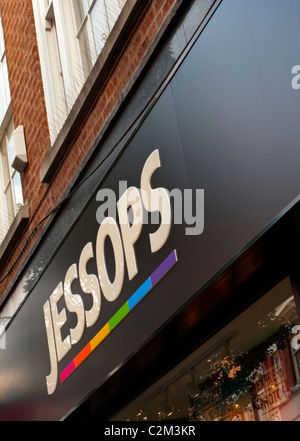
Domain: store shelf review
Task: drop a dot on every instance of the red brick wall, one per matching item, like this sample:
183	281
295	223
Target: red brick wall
27	98
29	106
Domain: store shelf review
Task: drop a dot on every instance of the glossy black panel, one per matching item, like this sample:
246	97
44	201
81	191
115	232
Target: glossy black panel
238	120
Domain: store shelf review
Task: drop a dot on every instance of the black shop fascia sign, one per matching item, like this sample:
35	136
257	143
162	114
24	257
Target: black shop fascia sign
112	255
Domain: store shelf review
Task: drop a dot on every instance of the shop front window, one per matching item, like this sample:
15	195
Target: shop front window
247	372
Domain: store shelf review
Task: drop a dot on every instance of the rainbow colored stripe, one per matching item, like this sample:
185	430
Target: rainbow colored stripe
139	294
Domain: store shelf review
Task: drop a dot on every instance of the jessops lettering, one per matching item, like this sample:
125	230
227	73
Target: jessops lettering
122	238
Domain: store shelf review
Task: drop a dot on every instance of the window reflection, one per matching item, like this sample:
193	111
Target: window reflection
249	371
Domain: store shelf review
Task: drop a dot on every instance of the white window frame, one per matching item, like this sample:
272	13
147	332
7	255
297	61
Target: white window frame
5	91
10	202
8	208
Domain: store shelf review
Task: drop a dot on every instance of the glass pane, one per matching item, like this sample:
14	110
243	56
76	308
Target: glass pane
5	162
80	9
113	11
2	47
4	89
6	82
95	19
11	147
249	371
10	206
18	190
2	94
100	24
86	50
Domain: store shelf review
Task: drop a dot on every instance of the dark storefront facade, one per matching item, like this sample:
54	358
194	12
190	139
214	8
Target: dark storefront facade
193	316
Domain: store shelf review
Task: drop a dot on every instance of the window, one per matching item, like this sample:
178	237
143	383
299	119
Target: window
4	86
71	35
249	371
10	183
94	22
